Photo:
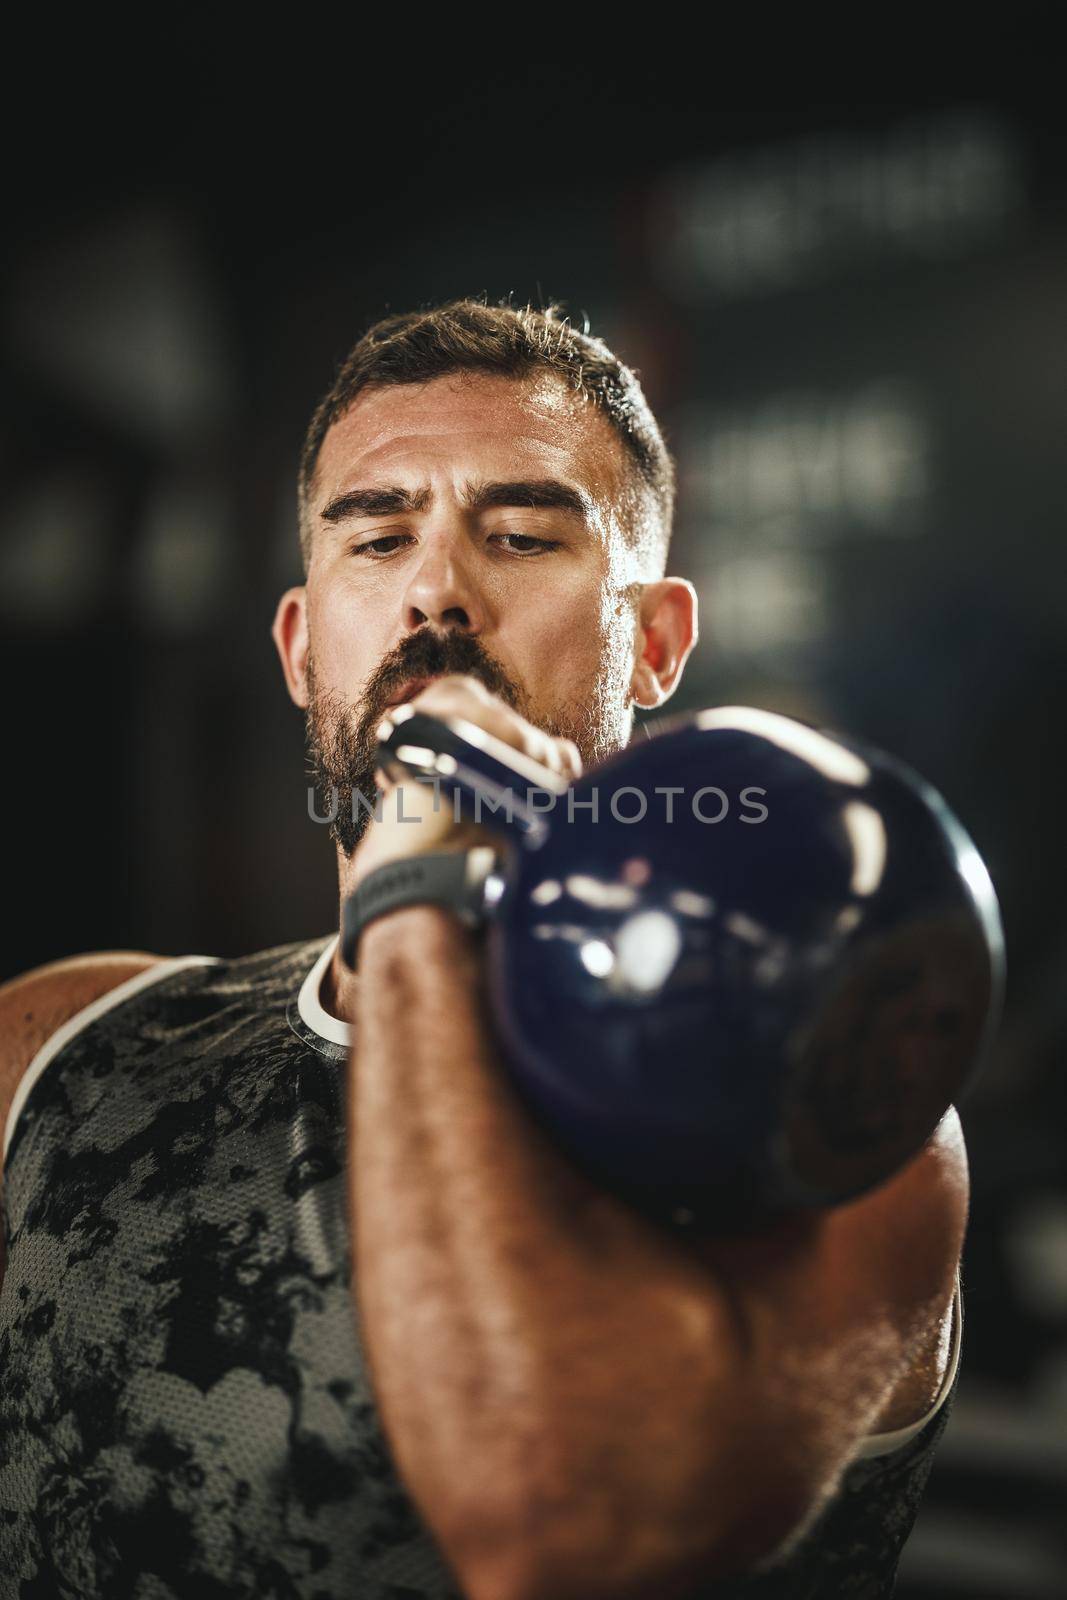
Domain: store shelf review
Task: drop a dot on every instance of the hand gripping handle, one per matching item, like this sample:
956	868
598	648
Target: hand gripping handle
497	785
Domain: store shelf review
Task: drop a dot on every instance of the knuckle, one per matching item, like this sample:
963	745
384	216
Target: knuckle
547	750
450	688
436	698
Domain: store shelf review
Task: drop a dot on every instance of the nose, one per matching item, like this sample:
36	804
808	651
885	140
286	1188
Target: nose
443	590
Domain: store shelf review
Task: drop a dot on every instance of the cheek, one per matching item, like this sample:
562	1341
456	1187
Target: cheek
346	646
570	642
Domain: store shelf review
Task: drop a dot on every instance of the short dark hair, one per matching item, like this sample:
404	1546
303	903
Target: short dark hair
471	335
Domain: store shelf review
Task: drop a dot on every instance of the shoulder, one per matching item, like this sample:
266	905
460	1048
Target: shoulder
904	1237
921	1216
36	1003
903	1240
848	1309
838	1318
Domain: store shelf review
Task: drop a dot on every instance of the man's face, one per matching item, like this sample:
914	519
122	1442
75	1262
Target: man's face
470	524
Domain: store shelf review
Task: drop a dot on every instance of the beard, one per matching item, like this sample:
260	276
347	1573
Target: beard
342	739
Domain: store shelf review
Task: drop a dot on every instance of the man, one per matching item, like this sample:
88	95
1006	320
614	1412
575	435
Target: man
299	1301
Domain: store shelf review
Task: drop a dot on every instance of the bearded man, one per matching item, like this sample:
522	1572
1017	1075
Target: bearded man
298	1300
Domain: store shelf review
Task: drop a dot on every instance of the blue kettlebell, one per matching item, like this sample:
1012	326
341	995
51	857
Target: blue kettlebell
740	967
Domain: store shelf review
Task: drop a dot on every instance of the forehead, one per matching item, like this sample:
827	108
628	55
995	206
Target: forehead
491	426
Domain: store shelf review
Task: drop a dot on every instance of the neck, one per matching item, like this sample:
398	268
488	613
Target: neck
337	989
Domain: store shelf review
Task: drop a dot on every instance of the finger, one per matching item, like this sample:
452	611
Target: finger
573	757
551	752
457	684
458	696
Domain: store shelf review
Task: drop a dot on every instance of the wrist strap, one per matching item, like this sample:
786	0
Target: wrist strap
452	878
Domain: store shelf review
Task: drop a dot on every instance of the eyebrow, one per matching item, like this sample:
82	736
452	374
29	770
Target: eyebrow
374	503
540	494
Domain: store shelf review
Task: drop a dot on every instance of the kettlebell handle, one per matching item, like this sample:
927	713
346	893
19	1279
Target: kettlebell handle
495	784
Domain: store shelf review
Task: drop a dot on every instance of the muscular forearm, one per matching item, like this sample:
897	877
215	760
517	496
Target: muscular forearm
541	1355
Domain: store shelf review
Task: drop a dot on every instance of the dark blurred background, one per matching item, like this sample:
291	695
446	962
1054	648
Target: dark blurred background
851	317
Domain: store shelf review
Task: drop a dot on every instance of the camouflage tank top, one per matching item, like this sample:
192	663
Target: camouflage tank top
185	1408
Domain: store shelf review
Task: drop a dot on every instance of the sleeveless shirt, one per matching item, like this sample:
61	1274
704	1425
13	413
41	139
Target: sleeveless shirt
185	1406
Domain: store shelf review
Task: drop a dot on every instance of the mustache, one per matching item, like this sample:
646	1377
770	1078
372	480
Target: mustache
428	654
341	736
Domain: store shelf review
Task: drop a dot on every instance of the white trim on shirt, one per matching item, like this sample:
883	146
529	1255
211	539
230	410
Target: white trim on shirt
309	1002
81	1019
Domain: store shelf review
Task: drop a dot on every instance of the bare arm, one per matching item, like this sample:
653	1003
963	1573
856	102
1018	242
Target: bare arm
580	1404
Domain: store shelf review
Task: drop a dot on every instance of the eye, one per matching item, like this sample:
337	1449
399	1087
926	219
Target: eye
373	547
525	541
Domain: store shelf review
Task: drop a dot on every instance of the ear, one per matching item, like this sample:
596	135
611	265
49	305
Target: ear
290	634
667	632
